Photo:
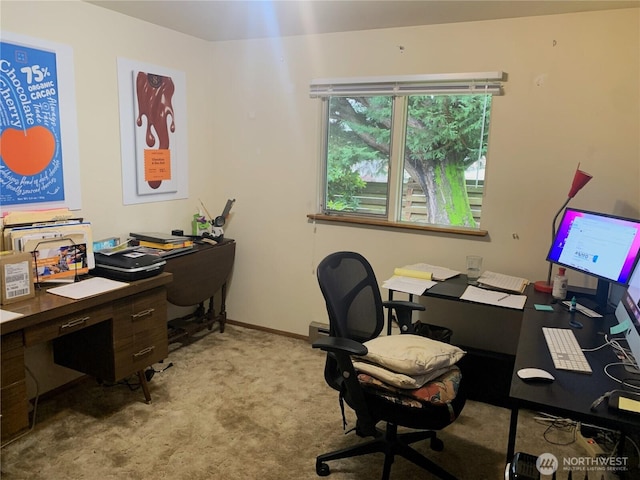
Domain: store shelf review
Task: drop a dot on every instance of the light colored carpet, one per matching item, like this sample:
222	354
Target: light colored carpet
244	404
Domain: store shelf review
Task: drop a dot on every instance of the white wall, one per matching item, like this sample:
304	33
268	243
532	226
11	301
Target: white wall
573	95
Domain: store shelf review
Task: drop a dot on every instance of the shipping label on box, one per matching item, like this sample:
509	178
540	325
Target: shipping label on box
17	277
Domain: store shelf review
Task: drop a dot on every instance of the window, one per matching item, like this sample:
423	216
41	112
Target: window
407	149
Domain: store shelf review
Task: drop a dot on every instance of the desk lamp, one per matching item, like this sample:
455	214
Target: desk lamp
580	179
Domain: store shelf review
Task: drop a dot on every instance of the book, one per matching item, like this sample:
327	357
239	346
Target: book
166	246
158	237
158	252
499	281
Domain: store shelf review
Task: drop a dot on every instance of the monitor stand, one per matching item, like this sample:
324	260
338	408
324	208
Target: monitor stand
596	300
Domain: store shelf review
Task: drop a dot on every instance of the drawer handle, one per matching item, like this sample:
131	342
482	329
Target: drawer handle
144	351
143	313
74	323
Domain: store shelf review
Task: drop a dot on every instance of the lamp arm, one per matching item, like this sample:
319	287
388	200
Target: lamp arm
553	235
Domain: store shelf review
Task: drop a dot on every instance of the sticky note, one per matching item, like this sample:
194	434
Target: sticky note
629	405
621	327
544	308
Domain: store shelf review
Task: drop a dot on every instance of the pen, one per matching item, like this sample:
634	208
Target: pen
502	298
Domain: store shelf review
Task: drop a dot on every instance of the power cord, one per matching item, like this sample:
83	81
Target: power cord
557	424
148	373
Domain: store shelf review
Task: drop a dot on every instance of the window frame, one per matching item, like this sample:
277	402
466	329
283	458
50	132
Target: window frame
396	86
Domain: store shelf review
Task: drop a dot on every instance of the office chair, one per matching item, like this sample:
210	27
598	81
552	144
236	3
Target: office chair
356	315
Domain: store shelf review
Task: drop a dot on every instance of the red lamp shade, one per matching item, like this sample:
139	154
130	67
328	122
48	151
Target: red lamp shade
580	179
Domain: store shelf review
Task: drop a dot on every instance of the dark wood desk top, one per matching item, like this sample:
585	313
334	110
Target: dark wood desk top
199	275
46	306
570	394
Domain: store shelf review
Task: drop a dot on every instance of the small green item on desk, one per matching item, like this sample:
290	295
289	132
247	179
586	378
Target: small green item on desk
544	308
619	328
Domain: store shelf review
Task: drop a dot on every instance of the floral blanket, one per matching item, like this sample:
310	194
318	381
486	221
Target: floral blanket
440	391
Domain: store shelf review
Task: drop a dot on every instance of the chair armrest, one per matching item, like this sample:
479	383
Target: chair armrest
340	345
403	304
404	309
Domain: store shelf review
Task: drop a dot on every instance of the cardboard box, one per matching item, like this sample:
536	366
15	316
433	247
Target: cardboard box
16	277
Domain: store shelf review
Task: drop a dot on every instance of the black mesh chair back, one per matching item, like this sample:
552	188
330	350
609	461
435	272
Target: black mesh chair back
352	295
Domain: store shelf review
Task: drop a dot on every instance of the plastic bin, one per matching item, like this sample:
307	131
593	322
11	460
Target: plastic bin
435	332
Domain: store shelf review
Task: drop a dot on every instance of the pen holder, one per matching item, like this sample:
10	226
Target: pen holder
199	225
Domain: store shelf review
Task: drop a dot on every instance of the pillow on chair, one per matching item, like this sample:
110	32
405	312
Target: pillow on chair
411	354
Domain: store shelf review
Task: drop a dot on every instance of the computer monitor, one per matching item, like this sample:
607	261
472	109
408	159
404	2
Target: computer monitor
597	244
628	313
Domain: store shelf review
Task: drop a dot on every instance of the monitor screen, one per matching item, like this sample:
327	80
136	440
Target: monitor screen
597	244
628	313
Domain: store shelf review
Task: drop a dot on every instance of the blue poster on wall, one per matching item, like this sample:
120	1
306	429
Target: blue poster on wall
31	163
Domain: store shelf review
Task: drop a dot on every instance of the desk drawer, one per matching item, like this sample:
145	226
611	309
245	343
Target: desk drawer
140	335
142	351
62	326
140	313
12	359
15	409
13	394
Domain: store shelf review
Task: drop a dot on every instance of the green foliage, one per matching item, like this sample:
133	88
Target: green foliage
444	133
348	147
447	127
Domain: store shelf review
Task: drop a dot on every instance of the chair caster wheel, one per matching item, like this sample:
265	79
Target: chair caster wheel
322	469
437	445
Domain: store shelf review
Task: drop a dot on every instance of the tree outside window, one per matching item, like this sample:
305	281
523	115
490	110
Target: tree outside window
442	142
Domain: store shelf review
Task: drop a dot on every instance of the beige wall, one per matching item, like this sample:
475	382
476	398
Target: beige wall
572	96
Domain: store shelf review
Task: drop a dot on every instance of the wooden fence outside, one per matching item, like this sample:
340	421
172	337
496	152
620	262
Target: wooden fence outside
373	199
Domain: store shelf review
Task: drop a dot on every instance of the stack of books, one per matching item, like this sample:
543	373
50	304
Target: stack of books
162	245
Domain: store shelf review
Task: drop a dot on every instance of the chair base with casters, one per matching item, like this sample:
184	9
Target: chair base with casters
391	444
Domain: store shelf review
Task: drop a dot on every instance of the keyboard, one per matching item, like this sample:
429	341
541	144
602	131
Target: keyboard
584	310
565	350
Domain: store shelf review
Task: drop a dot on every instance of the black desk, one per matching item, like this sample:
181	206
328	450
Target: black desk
571	394
488	333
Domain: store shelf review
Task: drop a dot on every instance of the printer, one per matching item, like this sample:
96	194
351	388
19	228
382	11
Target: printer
128	265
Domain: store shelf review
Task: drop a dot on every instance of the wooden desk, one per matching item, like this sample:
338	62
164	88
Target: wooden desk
197	277
109	336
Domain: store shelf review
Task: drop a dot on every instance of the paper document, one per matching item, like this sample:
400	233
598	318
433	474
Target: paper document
87	288
490	297
415	286
6	315
419	269
499	281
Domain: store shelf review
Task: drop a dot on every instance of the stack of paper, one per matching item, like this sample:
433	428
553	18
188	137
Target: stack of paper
87	288
490	297
499	281
417	278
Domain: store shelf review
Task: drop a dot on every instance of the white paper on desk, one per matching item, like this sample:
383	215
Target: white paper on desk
6	315
415	286
491	297
87	288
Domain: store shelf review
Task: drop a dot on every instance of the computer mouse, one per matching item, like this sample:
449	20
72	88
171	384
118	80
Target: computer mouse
535	375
